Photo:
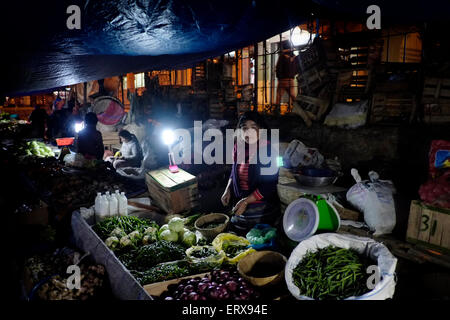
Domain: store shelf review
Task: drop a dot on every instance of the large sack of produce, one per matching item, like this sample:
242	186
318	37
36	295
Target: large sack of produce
437	192
374	198
439	157
348	115
374	251
297	154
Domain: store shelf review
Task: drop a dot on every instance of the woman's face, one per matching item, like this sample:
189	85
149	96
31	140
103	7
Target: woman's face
250	132
123	139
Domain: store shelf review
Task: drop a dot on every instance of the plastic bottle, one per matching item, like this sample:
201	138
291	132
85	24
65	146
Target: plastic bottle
97	206
104	207
123	204
113	206
117	195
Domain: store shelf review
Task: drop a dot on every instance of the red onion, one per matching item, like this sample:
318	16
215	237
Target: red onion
213	293
189	288
202	286
168	298
231	285
193	296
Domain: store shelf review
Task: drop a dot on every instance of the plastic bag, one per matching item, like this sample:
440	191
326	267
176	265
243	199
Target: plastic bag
375	200
376	251
262	236
213	260
224	240
438	157
348	115
436	192
75	160
297	154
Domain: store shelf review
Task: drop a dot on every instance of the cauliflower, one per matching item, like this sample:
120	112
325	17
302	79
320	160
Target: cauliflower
134	236
125	241
117	232
149	238
169	236
176	224
112	242
150	231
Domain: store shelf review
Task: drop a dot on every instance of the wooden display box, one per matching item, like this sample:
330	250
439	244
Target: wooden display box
429	225
156	289
172	192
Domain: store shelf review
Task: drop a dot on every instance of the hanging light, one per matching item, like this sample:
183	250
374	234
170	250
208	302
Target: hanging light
300	37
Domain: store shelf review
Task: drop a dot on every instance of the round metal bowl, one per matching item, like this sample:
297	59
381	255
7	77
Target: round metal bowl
314	181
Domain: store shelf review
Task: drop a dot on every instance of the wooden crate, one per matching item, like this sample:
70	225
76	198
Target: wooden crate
156	289
436	100
392	108
314	107
429	226
111	140
172	192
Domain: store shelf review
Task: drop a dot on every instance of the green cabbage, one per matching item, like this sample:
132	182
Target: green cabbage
189	238
169	236
176	224
164	227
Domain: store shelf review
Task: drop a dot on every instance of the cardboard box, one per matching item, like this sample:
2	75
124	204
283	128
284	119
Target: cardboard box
429	226
172	192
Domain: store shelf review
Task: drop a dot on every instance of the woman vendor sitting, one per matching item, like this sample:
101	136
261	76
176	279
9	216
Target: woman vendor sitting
252	191
130	152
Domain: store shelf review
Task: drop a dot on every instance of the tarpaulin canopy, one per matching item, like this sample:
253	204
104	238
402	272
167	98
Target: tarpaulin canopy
121	36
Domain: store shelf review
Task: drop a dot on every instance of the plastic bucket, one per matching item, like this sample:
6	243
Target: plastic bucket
304	217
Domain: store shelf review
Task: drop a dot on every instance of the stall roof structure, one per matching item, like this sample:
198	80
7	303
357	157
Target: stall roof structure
121	36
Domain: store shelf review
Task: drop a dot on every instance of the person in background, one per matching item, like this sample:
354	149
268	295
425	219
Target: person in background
38	119
252	194
90	140
286	69
130	153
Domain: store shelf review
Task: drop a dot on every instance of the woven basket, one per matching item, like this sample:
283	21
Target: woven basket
212	218
246	264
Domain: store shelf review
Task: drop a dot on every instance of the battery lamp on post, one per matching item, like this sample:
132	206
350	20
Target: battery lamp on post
168	137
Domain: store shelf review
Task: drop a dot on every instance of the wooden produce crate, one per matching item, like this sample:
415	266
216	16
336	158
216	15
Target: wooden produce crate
436	100
392	108
429	226
173	192
156	289
111	140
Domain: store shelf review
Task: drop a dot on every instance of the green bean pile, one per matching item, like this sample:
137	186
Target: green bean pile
332	273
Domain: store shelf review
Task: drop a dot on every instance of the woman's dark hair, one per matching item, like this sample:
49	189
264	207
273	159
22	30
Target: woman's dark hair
125	134
91	119
253	116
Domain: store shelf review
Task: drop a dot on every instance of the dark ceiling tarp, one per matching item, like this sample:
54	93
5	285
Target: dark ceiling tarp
121	36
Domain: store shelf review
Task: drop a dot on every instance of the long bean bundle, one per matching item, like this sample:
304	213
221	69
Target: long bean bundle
331	273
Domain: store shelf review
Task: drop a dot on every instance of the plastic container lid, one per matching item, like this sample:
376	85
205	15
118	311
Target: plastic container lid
301	219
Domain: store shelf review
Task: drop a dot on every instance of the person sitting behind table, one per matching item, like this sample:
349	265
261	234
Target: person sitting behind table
90	140
38	119
130	152
252	194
